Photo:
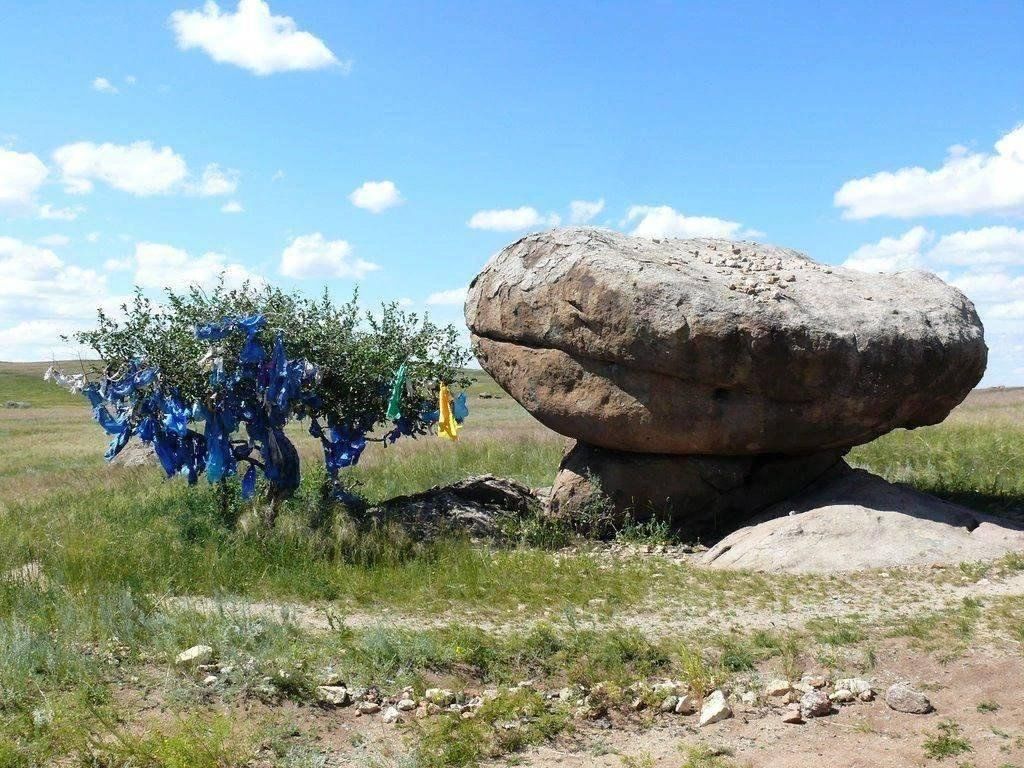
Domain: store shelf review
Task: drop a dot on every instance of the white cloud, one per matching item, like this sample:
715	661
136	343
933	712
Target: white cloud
989	245
138	168
376	196
313	256
47	211
232	206
511	219
890	254
404	302
663	221
118	265
93	237
54	240
163	266
217	181
278	175
251	38
42	296
966	183
131	79
450	297
103	85
21	175
582	211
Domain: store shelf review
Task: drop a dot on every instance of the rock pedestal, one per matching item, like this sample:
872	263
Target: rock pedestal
706	379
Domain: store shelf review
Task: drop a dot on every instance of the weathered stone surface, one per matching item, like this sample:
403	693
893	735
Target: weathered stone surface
715	709
717	347
698	494
855	520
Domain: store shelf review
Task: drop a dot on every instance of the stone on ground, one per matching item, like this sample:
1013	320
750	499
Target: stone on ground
815	704
902	698
717	347
855	520
194	656
715	709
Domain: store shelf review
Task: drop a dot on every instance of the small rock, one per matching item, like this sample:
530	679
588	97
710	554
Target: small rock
668	704
391	715
866	695
406	705
815	704
333	695
715	709
210	679
440	696
843	696
369	708
749	698
686	705
792	715
432	708
816	681
332	678
638	704
777	688
854	685
197	654
903	698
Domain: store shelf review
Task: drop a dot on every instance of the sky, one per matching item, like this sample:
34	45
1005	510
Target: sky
397	145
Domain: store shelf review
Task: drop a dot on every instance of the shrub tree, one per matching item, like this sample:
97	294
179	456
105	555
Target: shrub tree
245	362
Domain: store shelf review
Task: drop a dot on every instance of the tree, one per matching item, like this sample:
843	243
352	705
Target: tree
245	362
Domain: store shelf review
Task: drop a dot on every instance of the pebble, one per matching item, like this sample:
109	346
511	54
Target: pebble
333	695
406	705
668	704
777	688
391	715
686	705
792	715
369	708
815	704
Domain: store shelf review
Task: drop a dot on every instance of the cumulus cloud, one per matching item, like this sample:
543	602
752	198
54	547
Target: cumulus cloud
21	175
511	219
160	266
966	183
376	196
103	85
48	211
890	254
663	221
232	206
138	168
455	296
93	237
314	256
251	38
217	181
41	297
582	211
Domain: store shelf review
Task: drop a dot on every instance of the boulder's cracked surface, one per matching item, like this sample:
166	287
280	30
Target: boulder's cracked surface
717	347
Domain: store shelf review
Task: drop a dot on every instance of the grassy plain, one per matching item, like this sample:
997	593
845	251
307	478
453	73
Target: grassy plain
127	569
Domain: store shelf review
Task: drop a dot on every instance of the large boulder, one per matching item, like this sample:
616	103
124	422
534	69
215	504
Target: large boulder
717	347
855	520
700	496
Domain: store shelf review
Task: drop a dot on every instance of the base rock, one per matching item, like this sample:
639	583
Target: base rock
854	520
697	495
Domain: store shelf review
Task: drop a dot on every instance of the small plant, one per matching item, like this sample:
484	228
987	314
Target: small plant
987	706
948	742
709	757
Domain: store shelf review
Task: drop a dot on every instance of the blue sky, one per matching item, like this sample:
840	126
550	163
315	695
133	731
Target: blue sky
883	135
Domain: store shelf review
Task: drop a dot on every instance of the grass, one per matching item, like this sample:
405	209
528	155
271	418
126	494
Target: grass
948	742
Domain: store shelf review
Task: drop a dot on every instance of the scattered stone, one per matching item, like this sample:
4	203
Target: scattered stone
368	708
17	404
332	678
854	685
668	704
686	705
715	709
210	679
843	696
749	698
815	704
903	698
776	688
406	705
391	715
792	715
440	696
816	681
866	695
638	704
194	656
332	695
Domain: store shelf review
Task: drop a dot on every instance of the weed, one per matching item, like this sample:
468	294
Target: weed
948	742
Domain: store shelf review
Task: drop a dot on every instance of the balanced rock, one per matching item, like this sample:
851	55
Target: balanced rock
699	495
717	347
